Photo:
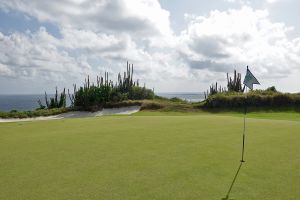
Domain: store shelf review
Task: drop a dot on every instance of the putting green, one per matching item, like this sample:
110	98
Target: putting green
149	157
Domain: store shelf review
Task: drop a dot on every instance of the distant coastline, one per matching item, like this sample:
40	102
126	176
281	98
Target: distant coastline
26	102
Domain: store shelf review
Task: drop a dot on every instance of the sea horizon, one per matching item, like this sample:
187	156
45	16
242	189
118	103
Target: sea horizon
27	102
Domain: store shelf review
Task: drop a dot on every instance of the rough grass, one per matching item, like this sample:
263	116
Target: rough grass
167	105
159	104
149	157
34	113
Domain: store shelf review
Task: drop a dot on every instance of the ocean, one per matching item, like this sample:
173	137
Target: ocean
29	102
192	97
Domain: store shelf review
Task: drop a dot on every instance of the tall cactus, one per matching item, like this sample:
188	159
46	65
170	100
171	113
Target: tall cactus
54	102
235	84
72	96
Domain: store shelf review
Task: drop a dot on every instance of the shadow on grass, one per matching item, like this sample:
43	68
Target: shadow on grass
233	181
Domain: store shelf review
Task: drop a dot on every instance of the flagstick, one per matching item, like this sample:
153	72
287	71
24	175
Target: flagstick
243	150
244	131
248	82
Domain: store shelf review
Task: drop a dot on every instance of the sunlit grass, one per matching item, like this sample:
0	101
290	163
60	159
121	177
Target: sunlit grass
149	157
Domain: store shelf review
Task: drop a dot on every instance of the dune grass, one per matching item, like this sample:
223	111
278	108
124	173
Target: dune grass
33	113
149	157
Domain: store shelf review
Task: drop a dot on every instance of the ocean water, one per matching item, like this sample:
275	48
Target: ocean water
29	102
192	97
22	102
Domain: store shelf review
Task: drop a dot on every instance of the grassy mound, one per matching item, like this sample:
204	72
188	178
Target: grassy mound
34	113
255	99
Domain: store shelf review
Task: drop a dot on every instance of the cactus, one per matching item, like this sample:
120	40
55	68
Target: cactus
72	96
214	89
94	96
54	102
235	84
41	105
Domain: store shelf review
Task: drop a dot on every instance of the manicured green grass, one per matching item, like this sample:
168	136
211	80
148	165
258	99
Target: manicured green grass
291	115
149	157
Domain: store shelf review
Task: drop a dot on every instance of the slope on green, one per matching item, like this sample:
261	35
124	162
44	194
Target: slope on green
149	157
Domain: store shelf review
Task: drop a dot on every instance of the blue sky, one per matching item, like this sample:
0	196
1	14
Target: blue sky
175	46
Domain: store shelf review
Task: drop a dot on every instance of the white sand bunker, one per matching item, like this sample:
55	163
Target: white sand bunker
106	111
80	114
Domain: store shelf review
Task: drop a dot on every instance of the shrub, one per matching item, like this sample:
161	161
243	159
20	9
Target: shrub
34	113
271	89
176	99
151	106
256	98
95	96
140	93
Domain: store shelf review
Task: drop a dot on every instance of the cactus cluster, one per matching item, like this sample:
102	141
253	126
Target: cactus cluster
125	83
235	84
93	96
55	102
214	89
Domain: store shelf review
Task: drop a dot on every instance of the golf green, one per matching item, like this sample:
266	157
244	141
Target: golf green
149	157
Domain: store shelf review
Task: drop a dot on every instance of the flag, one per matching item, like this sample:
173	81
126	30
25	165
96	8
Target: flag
250	79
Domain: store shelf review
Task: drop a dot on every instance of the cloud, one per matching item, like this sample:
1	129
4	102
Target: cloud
78	53
118	46
98	36
37	55
144	18
272	1
6	71
242	2
225	40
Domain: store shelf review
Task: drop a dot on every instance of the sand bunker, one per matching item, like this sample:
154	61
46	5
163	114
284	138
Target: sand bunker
80	114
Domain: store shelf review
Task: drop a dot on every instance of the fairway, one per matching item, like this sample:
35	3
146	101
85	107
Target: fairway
149	158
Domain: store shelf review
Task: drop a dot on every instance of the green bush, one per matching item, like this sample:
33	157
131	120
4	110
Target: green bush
95	96
257	98
139	93
151	106
176	99
272	89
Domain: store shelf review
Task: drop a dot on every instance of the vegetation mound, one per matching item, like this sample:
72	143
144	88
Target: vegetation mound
105	92
256	98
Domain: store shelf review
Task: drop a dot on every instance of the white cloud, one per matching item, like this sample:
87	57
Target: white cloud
272	1
236	38
37	55
101	35
76	54
242	2
143	18
6	71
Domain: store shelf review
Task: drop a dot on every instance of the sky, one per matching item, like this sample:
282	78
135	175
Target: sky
174	45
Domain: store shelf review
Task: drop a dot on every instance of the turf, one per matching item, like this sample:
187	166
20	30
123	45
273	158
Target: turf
149	157
291	115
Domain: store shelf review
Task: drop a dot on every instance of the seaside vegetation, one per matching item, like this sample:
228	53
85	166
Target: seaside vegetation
94	96
234	97
126	92
255	99
33	113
